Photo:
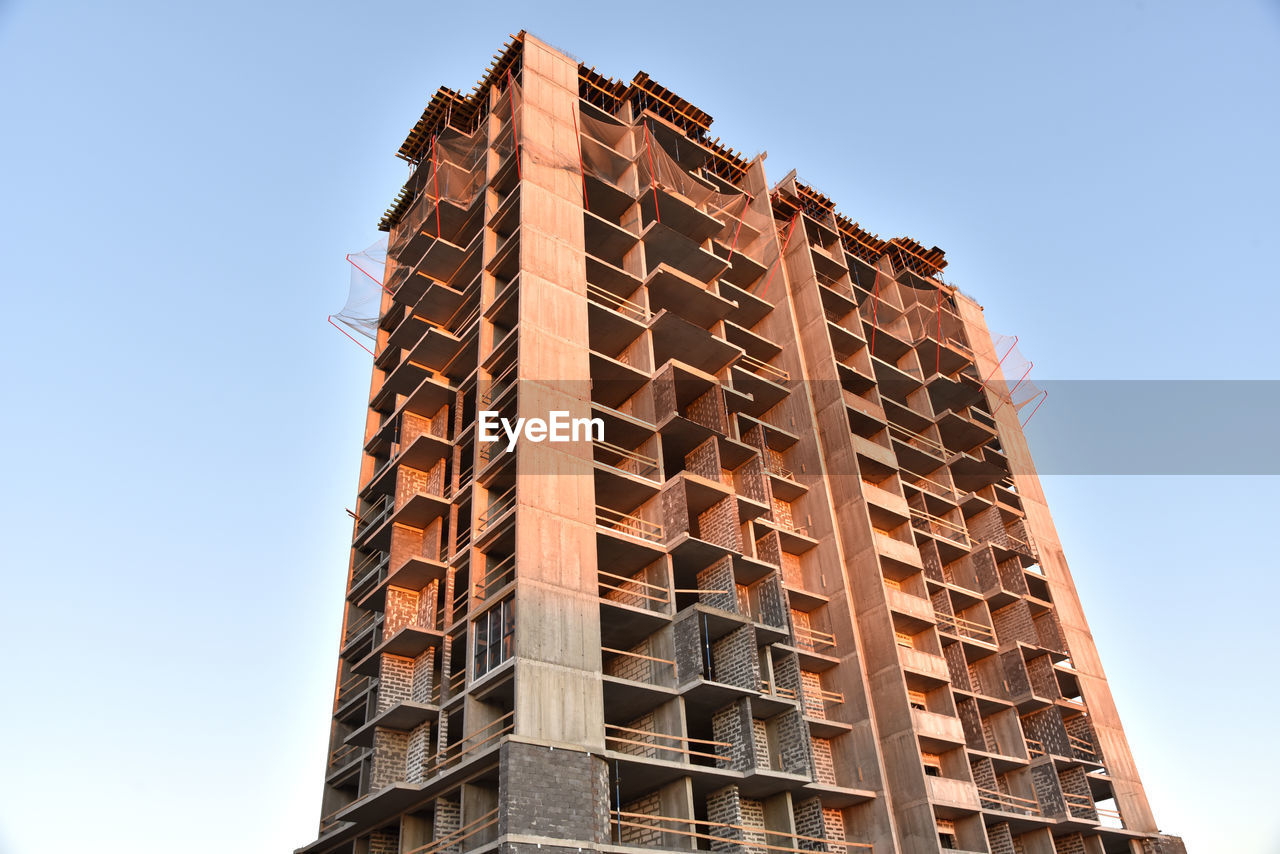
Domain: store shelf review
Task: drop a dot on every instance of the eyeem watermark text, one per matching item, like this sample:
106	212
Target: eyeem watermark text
557	427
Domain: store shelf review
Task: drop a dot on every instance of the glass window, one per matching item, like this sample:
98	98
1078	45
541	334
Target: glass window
494	637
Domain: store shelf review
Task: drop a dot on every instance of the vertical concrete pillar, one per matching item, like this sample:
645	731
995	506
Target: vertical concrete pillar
558	689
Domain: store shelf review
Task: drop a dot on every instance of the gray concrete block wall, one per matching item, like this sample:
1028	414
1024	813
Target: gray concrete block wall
559	794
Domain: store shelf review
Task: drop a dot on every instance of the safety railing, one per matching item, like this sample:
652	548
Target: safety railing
835	283
621	588
1005	802
779	470
1080	805
497	508
1035	747
485	735
459	325
456	682
933	486
463	540
630	462
649	740
344	753
763	369
456	841
372	566
496	577
616	520
1081	745
937	525
776	690
966	628
613	302
918	441
812	639
359	627
498	384
1109	817
375	515
638	656
834	697
723	833
351	687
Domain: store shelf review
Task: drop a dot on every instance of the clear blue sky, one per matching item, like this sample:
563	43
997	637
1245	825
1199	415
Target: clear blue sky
181	429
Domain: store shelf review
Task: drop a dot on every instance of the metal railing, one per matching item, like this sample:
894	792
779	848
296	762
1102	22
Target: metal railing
779	470
1080	804
966	628
1005	802
497	508
811	638
613	302
621	735
763	369
918	441
454	839
373	565
633	587
1082	745
345	753
754	836
776	690
638	656
486	734
496	577
616	520
351	687
630	462
933	486
359	627
375	515
498	385
937	525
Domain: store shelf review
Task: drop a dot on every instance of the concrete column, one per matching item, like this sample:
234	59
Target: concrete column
559	697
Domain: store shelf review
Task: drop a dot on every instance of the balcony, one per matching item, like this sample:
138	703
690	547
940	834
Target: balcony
897	550
670	289
998	801
624	477
965	629
924	664
915	450
952	796
937	732
952	539
665	245
917	609
613	321
635	682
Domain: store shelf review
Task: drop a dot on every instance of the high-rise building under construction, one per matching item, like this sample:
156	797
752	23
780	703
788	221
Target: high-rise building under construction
795	589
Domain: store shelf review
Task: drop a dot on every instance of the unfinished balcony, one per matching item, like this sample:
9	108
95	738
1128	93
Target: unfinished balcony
635	605
679	293
639	679
677	239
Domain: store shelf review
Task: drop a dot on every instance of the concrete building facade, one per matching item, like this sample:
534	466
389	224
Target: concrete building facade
802	592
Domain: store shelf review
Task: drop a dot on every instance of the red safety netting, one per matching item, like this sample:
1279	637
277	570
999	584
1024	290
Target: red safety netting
364	295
